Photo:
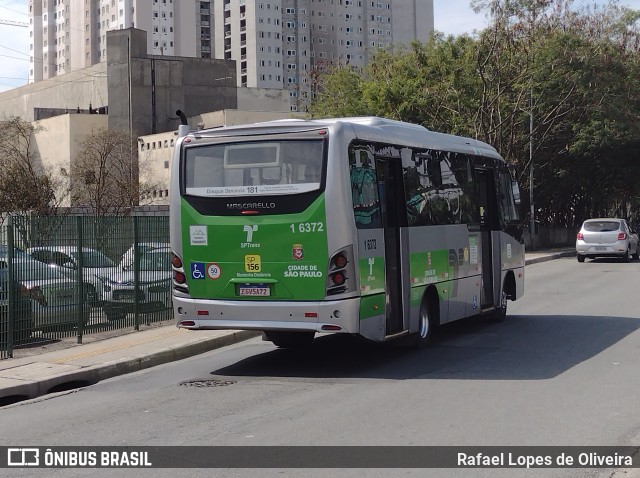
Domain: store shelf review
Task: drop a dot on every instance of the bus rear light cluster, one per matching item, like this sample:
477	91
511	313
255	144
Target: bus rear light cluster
179	277
341	272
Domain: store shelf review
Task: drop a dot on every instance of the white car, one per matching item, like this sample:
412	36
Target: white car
606	237
154	292
94	264
127	257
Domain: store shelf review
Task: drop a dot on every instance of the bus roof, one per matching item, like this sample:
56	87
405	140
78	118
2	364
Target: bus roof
365	127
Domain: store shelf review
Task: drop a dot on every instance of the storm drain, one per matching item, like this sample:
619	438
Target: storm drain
208	383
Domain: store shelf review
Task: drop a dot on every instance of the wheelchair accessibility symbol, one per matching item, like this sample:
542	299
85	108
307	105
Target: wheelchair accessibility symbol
197	270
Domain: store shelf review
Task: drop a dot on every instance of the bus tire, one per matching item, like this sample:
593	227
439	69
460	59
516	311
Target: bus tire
290	340
428	319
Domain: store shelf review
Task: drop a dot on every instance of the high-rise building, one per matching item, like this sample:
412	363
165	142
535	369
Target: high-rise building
285	43
275	43
67	35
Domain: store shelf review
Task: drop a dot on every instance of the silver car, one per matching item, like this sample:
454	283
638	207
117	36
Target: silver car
53	295
606	237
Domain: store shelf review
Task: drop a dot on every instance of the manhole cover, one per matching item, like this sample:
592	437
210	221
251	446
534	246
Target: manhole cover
207	383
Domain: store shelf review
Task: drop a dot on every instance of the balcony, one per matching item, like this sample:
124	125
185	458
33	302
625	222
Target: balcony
227	34
204	24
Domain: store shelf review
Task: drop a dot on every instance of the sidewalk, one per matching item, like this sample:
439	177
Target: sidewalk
38	374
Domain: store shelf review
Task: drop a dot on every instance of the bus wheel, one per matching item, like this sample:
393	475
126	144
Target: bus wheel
427	321
290	340
500	313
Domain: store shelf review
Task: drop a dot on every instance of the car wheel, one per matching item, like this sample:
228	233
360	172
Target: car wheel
581	258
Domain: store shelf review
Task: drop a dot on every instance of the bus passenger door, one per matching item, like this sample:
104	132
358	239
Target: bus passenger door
488	222
393	214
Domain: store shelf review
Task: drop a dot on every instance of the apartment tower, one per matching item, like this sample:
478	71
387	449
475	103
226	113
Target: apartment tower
275	43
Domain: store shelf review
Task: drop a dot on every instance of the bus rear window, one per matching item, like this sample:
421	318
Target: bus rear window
253	168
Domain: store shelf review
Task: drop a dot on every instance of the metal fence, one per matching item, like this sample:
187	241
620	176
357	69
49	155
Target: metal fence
64	276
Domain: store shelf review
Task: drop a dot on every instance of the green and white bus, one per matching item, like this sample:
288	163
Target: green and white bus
362	226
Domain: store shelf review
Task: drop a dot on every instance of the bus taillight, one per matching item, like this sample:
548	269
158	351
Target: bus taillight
341	274
179	277
338	278
176	262
340	261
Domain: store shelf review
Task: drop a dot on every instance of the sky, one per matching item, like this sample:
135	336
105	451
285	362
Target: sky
452	17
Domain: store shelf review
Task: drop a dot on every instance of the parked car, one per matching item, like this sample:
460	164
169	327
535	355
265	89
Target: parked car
127	257
52	295
94	264
606	237
154	292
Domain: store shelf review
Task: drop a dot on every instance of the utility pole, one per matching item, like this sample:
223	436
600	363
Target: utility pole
532	208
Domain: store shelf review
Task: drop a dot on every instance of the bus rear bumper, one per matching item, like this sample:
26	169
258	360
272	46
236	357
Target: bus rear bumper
323	316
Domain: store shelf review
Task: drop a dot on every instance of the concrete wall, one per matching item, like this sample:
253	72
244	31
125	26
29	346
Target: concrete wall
149	89
78	88
57	141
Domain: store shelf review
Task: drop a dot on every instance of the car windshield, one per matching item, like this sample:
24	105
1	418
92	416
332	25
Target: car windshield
155	260
94	259
601	226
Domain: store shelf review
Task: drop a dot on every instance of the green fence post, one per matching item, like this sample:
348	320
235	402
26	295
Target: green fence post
136	274
80	279
11	315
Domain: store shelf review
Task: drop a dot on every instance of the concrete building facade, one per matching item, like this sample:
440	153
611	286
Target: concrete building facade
275	43
286	42
67	35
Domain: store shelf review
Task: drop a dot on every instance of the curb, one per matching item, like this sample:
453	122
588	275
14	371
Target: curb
96	373
549	257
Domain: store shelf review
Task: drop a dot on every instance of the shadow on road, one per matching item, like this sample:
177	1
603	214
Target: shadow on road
522	348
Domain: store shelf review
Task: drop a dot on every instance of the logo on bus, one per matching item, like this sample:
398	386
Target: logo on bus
252	263
297	252
249	230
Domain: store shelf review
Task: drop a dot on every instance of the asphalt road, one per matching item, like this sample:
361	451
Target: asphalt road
561	370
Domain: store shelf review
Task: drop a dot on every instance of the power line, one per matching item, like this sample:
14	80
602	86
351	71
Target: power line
12	10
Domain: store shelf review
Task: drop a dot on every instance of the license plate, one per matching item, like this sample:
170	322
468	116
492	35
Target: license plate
600	248
254	290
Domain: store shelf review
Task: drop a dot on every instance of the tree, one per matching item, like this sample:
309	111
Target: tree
574	71
106	175
25	185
